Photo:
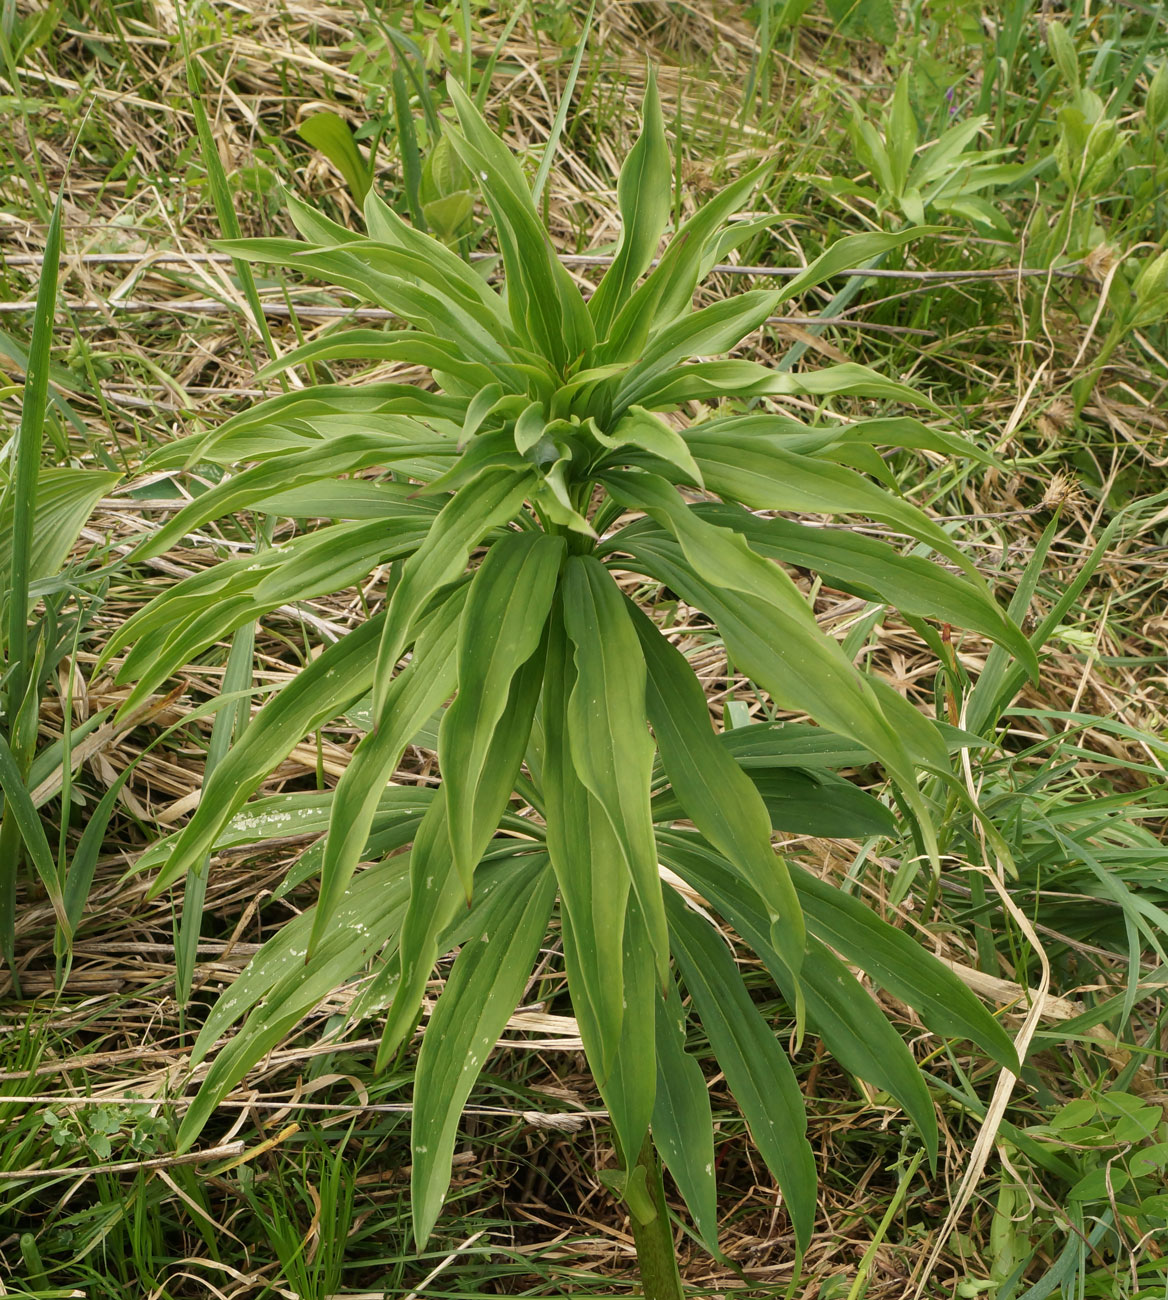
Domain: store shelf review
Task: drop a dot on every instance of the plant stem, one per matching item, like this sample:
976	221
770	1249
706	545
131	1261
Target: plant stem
656	1257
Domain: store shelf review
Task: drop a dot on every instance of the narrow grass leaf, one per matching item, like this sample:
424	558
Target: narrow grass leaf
291	987
593	880
18	806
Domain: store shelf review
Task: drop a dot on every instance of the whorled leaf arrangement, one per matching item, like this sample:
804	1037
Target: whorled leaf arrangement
577	756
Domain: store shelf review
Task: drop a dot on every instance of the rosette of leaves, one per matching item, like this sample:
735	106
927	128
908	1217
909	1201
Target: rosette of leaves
576	749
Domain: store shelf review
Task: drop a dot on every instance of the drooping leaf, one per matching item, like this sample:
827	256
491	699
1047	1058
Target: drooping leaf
630	1085
763	476
199	611
768	626
754	1062
611	749
413	695
290	987
804	803
846	1017
482	990
502	626
896	962
711	380
436	890
682	1123
713	790
910	582
593	881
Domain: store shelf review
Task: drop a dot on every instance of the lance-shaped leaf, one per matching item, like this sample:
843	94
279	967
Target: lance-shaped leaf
643	194
716	794
878	572
893	431
201	610
482	991
839	1009
399	282
546	306
65	499
386	226
683	1126
502	625
753	1060
288	421
896	962
19	806
415	692
321	690
764	476
436	891
344	456
668	289
594	884
781	648
713	380
611	749
409	346
707	332
851	251
491	499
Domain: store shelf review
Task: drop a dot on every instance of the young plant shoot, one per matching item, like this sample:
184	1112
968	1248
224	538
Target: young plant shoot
585	795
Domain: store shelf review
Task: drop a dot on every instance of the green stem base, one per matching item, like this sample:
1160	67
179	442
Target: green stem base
656	1257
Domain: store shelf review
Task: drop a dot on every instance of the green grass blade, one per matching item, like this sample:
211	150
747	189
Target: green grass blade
227	727
549	151
22	487
18	807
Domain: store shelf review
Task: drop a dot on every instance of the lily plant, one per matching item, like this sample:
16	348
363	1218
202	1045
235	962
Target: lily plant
586	799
